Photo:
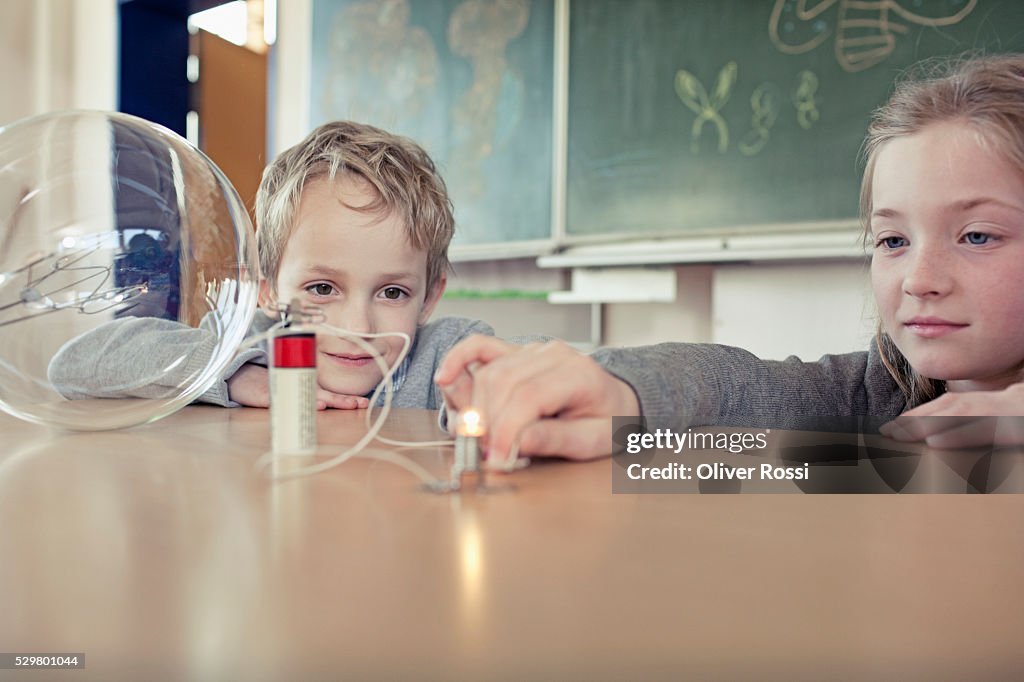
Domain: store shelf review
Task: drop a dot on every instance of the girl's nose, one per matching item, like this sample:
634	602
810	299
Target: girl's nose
929	274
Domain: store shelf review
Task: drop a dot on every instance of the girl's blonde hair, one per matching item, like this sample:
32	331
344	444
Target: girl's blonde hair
400	172
986	93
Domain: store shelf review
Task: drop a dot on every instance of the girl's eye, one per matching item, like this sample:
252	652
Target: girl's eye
977	238
393	293
320	289
891	242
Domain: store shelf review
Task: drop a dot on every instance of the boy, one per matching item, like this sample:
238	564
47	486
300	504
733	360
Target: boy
352	220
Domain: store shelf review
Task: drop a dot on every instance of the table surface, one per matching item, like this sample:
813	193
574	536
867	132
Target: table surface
160	553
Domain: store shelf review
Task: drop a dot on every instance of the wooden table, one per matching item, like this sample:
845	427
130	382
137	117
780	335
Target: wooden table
159	553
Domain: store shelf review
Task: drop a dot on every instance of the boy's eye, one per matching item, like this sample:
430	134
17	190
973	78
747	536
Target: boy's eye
891	242
977	238
393	293
320	289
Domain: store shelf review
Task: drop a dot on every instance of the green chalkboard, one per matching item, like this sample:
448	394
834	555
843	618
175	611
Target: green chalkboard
726	116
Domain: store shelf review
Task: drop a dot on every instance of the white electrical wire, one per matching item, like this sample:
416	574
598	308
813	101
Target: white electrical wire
373	427
385	385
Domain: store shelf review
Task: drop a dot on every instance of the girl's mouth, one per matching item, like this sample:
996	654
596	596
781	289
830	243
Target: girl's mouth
932	327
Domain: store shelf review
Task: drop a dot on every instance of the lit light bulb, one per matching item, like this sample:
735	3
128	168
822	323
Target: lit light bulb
469	423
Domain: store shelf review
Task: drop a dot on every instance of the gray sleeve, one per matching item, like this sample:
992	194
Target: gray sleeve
447	332
141	357
529	338
680	385
432	345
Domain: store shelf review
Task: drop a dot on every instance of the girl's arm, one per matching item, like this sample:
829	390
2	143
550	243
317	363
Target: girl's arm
964	420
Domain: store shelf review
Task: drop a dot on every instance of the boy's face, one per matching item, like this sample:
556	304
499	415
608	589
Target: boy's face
948	262
361	271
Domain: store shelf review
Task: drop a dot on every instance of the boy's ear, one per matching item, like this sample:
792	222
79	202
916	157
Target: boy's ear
265	300
432	299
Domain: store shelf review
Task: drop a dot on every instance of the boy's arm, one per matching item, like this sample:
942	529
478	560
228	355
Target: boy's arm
141	357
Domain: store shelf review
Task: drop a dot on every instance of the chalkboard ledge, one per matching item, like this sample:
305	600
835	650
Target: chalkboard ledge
464	253
843	244
619	285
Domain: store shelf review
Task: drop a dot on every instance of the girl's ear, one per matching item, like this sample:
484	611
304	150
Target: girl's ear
432	299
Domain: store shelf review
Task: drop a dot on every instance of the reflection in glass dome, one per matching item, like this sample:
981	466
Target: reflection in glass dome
107	218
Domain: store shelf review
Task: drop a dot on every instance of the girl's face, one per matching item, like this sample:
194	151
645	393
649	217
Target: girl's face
947	225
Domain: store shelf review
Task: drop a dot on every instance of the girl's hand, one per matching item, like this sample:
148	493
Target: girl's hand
964	420
548	397
250	386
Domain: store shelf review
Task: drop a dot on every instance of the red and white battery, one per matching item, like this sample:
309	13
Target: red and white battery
293	388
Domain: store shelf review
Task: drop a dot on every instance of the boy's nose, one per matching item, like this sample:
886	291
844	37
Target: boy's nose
353	317
928	274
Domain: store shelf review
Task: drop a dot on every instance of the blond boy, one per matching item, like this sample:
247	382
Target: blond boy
352	220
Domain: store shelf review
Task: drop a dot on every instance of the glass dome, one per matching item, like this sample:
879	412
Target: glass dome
111	223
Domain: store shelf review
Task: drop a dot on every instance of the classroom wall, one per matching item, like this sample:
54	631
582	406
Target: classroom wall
57	54
803	308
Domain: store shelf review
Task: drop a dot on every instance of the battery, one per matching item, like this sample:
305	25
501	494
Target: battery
293	387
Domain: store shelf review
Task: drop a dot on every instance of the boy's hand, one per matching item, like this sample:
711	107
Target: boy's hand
964	420
340	401
551	398
250	386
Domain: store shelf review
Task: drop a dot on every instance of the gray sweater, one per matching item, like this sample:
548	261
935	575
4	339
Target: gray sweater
678	384
146	347
682	384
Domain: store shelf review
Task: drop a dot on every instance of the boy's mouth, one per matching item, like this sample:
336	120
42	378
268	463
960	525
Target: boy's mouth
348	359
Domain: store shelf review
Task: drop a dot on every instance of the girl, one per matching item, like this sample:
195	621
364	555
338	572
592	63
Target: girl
942	204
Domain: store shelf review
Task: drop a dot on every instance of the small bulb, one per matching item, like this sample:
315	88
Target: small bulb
469	423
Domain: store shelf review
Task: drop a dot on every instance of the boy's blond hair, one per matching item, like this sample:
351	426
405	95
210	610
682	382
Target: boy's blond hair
400	172
986	93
